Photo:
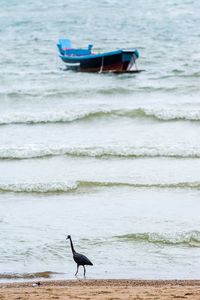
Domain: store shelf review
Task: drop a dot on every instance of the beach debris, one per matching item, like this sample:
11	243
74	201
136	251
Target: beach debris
36	284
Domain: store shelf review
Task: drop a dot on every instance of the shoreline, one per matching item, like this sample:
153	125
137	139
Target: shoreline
102	289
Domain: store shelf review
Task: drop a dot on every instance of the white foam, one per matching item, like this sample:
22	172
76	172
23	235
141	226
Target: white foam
41	150
164	114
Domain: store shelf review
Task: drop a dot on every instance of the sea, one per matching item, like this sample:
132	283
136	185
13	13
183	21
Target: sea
113	160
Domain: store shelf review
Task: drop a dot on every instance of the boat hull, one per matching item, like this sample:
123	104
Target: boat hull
119	61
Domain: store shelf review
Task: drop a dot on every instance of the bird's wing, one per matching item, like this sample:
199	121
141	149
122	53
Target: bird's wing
82	259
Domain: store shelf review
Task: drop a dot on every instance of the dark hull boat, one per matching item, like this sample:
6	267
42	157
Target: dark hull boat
84	60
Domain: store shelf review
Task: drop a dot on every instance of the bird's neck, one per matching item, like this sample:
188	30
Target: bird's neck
72	246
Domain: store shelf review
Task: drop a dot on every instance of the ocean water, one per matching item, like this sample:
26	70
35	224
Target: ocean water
111	159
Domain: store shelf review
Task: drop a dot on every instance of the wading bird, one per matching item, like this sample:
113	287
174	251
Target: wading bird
80	259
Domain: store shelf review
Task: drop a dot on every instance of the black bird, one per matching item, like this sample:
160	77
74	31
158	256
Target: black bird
80	259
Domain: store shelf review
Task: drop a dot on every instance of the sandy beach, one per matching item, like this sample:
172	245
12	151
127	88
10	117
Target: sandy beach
103	289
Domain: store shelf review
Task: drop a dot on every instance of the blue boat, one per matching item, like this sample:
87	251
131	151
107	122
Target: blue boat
84	60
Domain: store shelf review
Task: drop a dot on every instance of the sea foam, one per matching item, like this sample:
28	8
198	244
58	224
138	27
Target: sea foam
74	186
42	150
160	114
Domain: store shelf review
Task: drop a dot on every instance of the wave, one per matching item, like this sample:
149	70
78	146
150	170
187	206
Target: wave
40	150
40	188
46	274
72	116
190	238
39	93
62	93
52	117
69	187
180	74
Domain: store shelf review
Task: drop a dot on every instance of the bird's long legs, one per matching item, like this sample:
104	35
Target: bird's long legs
77	270
84	270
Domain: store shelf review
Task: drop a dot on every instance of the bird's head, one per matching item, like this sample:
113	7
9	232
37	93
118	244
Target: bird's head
68	237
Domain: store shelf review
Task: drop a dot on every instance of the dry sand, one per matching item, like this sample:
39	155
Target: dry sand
103	289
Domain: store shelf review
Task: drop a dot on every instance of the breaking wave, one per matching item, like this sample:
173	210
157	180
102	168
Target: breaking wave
72	116
55	187
190	238
62	187
40	150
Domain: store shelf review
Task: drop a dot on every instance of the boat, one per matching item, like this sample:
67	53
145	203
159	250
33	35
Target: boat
85	60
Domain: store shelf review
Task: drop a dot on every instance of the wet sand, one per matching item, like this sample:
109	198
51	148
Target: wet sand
102	289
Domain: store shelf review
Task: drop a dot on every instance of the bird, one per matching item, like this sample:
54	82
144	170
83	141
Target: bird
80	259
